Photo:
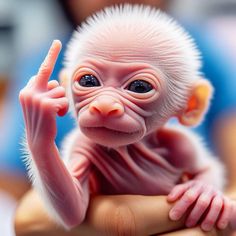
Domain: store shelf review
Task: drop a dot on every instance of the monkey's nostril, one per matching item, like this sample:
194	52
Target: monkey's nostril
104	109
94	110
116	110
113	113
94	107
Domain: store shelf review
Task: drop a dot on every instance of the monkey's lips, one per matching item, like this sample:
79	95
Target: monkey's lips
111	137
108	130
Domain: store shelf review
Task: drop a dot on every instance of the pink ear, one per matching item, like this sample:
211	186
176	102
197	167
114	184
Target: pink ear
198	103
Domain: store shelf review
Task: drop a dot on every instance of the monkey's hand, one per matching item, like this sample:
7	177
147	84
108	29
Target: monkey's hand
203	203
41	101
65	192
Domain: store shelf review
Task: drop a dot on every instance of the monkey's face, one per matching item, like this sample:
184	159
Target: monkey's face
116	103
132	68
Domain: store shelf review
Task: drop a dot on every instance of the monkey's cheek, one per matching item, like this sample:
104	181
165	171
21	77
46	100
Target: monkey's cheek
111	138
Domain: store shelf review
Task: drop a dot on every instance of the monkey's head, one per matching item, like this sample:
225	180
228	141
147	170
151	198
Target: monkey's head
129	69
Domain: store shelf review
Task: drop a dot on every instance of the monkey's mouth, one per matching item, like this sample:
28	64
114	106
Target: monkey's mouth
104	129
111	137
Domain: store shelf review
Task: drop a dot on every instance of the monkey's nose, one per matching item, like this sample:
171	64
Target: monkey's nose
106	106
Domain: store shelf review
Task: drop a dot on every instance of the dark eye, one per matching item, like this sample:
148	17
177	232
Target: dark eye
140	86
89	81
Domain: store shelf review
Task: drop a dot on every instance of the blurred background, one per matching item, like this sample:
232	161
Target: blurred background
27	28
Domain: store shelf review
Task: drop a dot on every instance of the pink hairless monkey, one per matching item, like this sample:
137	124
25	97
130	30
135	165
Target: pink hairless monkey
128	70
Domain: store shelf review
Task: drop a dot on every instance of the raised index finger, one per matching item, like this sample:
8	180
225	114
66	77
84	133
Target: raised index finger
47	66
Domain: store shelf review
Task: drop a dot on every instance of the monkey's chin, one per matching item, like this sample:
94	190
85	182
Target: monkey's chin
111	138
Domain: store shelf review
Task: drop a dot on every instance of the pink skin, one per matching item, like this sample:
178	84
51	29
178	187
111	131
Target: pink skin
103	112
105	109
202	197
109	105
41	102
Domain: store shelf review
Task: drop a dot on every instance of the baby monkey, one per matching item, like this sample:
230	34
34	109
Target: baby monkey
128	70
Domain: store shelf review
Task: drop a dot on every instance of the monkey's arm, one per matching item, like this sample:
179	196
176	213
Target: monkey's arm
65	193
187	152
203	191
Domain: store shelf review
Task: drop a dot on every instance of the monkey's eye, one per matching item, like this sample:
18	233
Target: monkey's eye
89	81
140	86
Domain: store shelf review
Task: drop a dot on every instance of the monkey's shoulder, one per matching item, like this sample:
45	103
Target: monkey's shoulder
176	144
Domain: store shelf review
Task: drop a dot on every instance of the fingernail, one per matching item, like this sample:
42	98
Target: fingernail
171	196
174	215
222	225
56	41
206	227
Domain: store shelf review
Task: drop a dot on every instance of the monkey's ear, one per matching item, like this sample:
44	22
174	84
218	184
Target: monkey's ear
63	78
197	104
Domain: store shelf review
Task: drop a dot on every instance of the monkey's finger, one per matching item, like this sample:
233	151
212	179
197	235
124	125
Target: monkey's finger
47	66
56	92
178	191
51	106
212	216
52	84
63	111
200	207
59	105
31	82
182	205
226	214
63	106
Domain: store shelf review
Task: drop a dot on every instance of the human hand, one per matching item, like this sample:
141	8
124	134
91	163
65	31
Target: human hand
107	215
41	101
204	198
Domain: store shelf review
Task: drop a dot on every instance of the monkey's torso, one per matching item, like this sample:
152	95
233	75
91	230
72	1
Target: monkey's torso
152	166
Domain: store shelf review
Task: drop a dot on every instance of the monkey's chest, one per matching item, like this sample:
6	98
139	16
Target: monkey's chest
134	169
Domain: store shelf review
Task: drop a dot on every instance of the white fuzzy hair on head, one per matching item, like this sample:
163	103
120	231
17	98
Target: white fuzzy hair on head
140	33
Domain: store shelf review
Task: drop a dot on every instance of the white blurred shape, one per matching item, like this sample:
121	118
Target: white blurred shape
7	211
